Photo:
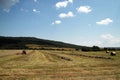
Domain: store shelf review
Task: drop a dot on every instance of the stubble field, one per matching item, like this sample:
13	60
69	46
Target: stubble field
58	65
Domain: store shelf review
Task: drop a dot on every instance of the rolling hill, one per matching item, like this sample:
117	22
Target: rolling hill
27	42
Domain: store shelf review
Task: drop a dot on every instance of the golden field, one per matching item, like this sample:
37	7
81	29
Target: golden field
58	65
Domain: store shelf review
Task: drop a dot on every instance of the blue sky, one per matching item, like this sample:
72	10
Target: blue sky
81	22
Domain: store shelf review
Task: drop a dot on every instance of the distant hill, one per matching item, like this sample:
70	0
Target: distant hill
27	42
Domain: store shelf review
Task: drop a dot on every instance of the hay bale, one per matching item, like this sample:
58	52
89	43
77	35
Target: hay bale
23	52
107	51
113	53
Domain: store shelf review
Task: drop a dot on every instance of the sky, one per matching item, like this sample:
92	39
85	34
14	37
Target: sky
81	22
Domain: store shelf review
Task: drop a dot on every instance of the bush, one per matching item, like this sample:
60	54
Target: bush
94	48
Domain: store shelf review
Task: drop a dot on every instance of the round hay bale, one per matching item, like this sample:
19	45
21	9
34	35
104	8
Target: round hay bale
107	51
24	52
113	53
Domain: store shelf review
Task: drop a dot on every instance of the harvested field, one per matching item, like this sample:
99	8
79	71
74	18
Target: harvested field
58	65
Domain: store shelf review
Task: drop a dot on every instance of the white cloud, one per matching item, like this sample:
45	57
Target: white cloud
24	10
104	40
110	39
106	21
7	4
107	36
36	11
63	3
64	15
84	9
56	22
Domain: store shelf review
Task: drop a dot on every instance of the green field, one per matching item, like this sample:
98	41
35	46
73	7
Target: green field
58	65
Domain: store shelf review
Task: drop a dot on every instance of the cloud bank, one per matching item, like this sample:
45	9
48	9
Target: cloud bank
110	39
